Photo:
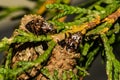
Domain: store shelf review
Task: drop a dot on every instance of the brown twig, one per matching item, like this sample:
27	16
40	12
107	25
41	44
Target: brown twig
113	17
88	25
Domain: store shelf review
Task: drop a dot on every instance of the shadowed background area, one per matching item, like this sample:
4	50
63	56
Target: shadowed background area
7	26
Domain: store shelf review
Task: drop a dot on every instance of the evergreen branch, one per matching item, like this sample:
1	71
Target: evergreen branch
27	65
91	56
112	63
46	54
96	21
22	37
75	22
8	59
46	73
107	25
55	76
43	57
4	44
62	14
110	19
112	39
107	46
67	8
97	17
64	75
82	71
85	26
89	25
99	8
29	37
110	9
89	15
3	73
113	17
109	56
72	75
96	3
86	48
100	29
115	30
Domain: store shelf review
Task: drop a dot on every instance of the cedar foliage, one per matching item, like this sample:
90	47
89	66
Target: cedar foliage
96	20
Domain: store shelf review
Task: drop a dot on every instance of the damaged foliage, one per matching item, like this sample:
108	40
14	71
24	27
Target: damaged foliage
53	49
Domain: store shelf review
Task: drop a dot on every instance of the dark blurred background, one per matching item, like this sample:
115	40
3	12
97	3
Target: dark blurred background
7	26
